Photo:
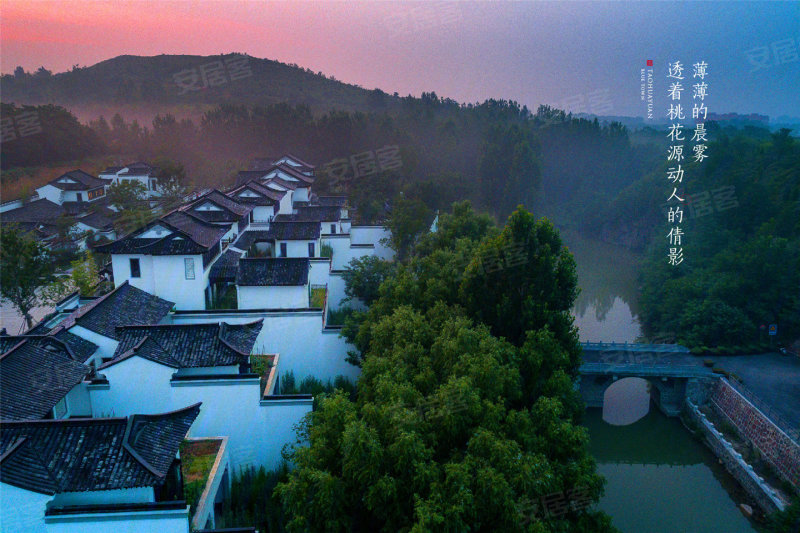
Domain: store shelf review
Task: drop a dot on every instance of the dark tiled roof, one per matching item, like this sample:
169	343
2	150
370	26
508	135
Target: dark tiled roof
288	231
191	236
139	169
291	185
83	181
39	211
296	160
293	172
338	201
249	237
199	231
319	213
34	376
188	345
76	455
315	213
80	347
266	195
125	305
173	244
112	170
226	266
263	271
101	219
222	200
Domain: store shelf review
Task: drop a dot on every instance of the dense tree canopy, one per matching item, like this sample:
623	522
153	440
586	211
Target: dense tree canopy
742	258
453	428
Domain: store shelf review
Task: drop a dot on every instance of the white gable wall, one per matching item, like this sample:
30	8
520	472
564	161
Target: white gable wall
105	346
298	248
22	510
48	192
286	205
105	497
165	276
305	348
136	386
256	430
273	297
170	281
162	521
301	194
263	213
121	265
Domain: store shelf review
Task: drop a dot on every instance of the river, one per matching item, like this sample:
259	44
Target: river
659	478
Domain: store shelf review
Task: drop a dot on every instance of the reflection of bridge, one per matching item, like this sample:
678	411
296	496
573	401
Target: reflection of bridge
667	367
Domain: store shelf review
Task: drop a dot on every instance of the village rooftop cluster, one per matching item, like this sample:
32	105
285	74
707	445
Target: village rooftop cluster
212	303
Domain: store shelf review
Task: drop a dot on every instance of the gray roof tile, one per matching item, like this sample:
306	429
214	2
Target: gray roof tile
92	454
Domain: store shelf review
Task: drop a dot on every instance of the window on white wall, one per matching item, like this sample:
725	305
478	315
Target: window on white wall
188	264
135	270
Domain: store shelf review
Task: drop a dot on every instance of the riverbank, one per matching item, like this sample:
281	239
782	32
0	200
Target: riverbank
660	479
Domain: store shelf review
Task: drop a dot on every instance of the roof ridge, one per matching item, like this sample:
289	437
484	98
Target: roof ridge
7	352
72	318
133	419
223	326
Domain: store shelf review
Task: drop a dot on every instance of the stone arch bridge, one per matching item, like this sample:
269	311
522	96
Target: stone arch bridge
669	368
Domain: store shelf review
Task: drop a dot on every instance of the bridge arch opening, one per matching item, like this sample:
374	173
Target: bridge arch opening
626	400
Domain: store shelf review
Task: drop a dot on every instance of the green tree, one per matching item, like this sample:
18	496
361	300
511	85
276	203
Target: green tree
85	274
440	437
524	279
25	266
409	219
364	275
452	428
126	194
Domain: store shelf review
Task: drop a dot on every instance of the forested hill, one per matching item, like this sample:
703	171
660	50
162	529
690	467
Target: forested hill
141	84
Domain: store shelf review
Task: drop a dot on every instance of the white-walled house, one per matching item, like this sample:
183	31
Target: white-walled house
296	163
273	283
169	258
94	475
160	367
265	201
217	208
285	173
73	186
265	163
139	172
282	239
287	188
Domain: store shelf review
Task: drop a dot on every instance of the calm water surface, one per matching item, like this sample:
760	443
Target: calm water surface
659	479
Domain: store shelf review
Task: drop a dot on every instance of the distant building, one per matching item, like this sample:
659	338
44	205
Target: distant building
73	186
143	173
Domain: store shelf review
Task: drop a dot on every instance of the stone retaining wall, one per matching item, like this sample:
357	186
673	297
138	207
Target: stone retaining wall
775	445
761	492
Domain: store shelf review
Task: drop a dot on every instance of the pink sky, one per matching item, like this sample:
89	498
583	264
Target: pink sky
533	52
370	43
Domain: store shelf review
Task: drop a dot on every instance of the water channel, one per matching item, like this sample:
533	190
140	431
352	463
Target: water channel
659	478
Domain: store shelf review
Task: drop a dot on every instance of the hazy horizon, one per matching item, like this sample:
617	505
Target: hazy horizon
581	56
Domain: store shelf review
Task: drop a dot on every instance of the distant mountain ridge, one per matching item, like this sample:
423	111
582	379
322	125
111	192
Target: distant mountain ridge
188	81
